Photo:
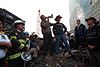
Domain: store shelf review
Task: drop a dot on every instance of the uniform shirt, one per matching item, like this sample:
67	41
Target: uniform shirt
45	25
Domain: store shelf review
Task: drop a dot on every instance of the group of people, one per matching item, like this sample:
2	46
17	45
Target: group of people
15	42
89	39
59	30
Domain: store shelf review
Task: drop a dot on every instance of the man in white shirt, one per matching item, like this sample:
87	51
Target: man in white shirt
4	43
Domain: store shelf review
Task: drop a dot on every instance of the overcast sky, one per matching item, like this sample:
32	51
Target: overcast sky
28	10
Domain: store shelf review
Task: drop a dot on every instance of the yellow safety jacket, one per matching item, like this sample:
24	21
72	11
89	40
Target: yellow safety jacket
19	44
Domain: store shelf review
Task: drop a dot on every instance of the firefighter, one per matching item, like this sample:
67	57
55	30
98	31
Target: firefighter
19	45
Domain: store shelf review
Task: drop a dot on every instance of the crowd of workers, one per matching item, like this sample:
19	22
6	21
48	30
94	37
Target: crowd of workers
14	43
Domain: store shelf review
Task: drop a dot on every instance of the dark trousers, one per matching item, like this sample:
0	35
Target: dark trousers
79	42
94	59
47	43
1	63
17	62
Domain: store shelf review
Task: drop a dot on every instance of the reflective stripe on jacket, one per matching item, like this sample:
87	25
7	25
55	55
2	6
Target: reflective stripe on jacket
14	56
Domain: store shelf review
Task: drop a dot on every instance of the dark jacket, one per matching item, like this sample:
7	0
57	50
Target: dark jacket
80	31
93	37
59	28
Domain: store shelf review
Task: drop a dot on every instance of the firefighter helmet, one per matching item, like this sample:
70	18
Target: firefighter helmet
19	21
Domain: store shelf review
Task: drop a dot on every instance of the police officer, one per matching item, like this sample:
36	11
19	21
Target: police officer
93	41
19	45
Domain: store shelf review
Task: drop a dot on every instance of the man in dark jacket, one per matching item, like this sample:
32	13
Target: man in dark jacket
59	30
93	42
80	31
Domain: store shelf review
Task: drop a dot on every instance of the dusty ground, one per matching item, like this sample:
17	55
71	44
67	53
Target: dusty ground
58	61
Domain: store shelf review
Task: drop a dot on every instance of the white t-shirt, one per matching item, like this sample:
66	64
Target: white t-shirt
3	38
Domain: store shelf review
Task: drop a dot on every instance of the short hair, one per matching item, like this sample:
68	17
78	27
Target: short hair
78	20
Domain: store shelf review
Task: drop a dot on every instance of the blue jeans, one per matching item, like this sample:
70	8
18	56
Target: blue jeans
61	38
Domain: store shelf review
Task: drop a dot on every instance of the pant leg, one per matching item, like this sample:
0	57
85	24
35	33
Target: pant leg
77	42
18	62
33	51
97	54
58	40
47	43
50	44
1	63
93	60
64	39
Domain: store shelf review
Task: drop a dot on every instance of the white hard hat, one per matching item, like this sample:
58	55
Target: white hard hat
19	21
